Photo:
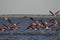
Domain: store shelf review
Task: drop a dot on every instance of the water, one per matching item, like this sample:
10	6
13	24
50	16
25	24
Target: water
24	23
31	37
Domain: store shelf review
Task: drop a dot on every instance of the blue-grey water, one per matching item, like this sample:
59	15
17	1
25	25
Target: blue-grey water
23	24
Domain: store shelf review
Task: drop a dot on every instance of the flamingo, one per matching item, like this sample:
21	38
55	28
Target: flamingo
3	28
14	25
54	14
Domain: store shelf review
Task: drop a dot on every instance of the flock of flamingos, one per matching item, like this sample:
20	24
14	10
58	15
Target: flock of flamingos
33	25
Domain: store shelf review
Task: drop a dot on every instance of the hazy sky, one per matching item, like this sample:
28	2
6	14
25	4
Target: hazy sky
28	6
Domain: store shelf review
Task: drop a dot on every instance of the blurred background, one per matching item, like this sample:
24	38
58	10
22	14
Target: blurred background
28	6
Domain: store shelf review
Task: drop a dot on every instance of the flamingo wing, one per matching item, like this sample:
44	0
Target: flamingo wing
51	13
57	12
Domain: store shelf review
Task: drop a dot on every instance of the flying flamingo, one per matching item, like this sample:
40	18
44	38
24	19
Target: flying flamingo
54	14
14	25
3	28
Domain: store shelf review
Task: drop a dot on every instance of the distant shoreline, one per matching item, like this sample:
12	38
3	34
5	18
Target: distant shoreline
32	15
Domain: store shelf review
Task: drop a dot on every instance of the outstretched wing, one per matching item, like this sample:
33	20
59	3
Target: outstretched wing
30	18
10	21
43	23
51	12
4	25
7	19
57	12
